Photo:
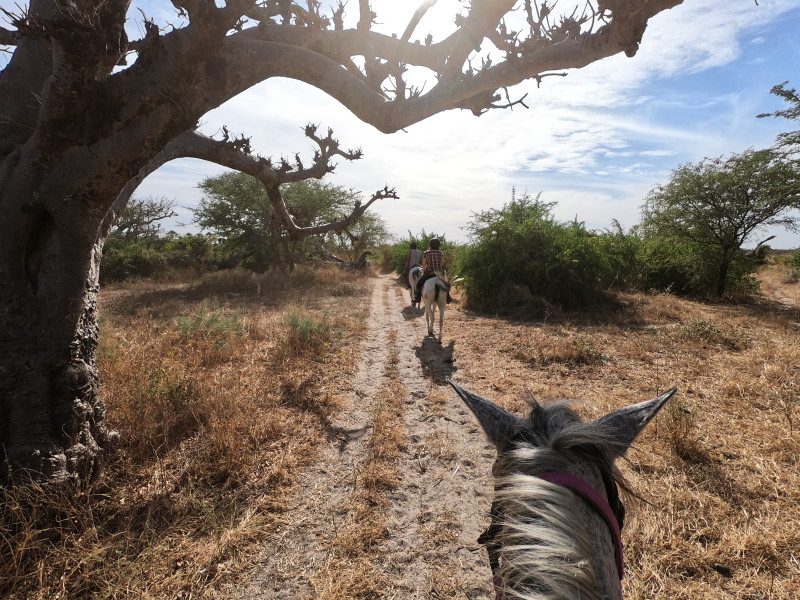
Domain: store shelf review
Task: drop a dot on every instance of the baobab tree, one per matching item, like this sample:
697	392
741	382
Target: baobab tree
86	113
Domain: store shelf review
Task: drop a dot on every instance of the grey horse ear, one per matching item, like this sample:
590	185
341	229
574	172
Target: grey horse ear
499	424
625	424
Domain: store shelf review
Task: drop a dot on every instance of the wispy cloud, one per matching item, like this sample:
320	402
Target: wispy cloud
595	141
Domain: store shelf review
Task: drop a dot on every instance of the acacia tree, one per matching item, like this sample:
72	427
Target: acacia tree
788	141
236	208
141	217
718	204
86	113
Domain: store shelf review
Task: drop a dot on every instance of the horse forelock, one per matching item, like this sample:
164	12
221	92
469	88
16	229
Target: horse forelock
558	427
545	553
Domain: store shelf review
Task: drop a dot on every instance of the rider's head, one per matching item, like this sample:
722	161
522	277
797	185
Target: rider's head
413	245
435	243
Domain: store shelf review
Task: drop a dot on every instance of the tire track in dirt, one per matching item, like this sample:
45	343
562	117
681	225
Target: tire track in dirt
441	504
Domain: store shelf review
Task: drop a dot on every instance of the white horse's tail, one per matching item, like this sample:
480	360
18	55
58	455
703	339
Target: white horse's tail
441	285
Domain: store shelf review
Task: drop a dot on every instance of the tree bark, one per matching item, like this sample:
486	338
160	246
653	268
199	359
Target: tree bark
51	421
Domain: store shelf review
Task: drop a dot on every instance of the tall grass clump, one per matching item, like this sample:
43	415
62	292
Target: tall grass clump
307	332
209	322
678	424
521	255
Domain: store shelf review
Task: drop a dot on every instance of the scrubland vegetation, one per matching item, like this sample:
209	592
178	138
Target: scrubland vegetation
221	389
222	383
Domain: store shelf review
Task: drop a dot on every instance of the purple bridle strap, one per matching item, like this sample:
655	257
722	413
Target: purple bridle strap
593	497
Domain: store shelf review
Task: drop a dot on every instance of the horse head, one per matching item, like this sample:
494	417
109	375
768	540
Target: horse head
557	514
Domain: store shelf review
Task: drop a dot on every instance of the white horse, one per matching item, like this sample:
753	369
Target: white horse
435	292
414	273
557	514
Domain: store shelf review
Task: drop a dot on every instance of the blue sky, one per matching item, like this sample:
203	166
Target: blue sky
594	142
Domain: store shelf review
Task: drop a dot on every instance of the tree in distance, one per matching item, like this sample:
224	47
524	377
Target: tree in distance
235	207
712	208
142	216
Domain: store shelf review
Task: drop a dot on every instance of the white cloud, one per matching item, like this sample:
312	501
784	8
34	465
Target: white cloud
595	141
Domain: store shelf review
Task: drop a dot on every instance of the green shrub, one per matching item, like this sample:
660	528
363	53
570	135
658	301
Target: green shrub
761	254
684	267
522	251
399	251
122	260
794	261
190	250
308	332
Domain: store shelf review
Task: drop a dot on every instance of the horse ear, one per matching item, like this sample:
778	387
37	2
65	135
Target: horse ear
499	424
625	424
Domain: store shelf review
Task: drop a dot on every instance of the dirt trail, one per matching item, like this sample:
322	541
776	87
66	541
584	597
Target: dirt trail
441	504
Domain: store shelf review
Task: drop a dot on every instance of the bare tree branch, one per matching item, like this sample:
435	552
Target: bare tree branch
418	14
233	152
295	232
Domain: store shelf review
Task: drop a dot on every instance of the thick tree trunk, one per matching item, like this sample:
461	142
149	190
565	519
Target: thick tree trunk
51	421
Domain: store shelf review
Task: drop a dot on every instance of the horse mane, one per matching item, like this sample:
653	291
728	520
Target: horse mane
544	556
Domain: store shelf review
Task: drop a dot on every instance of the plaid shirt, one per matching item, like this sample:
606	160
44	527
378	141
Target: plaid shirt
434	260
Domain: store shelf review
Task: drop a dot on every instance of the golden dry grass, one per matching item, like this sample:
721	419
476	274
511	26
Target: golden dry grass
719	467
221	390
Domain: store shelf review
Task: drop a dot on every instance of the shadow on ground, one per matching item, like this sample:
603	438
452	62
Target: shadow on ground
272	290
302	396
437	361
409	312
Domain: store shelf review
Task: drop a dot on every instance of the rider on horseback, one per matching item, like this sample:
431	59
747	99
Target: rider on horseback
413	259
432	261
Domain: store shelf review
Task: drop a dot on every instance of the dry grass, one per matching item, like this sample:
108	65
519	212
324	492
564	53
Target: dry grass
221	390
780	281
719	467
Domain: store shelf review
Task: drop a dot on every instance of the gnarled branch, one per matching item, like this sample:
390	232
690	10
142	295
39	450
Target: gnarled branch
234	153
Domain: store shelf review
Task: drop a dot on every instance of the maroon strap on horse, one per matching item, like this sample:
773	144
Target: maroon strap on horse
593	497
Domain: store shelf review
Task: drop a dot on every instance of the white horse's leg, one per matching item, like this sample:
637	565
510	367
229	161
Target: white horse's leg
430	317
428	292
442	302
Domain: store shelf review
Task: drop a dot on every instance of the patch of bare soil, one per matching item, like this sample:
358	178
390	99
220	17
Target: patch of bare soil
435	514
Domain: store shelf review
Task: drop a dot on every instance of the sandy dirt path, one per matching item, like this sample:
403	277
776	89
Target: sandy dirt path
441	504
